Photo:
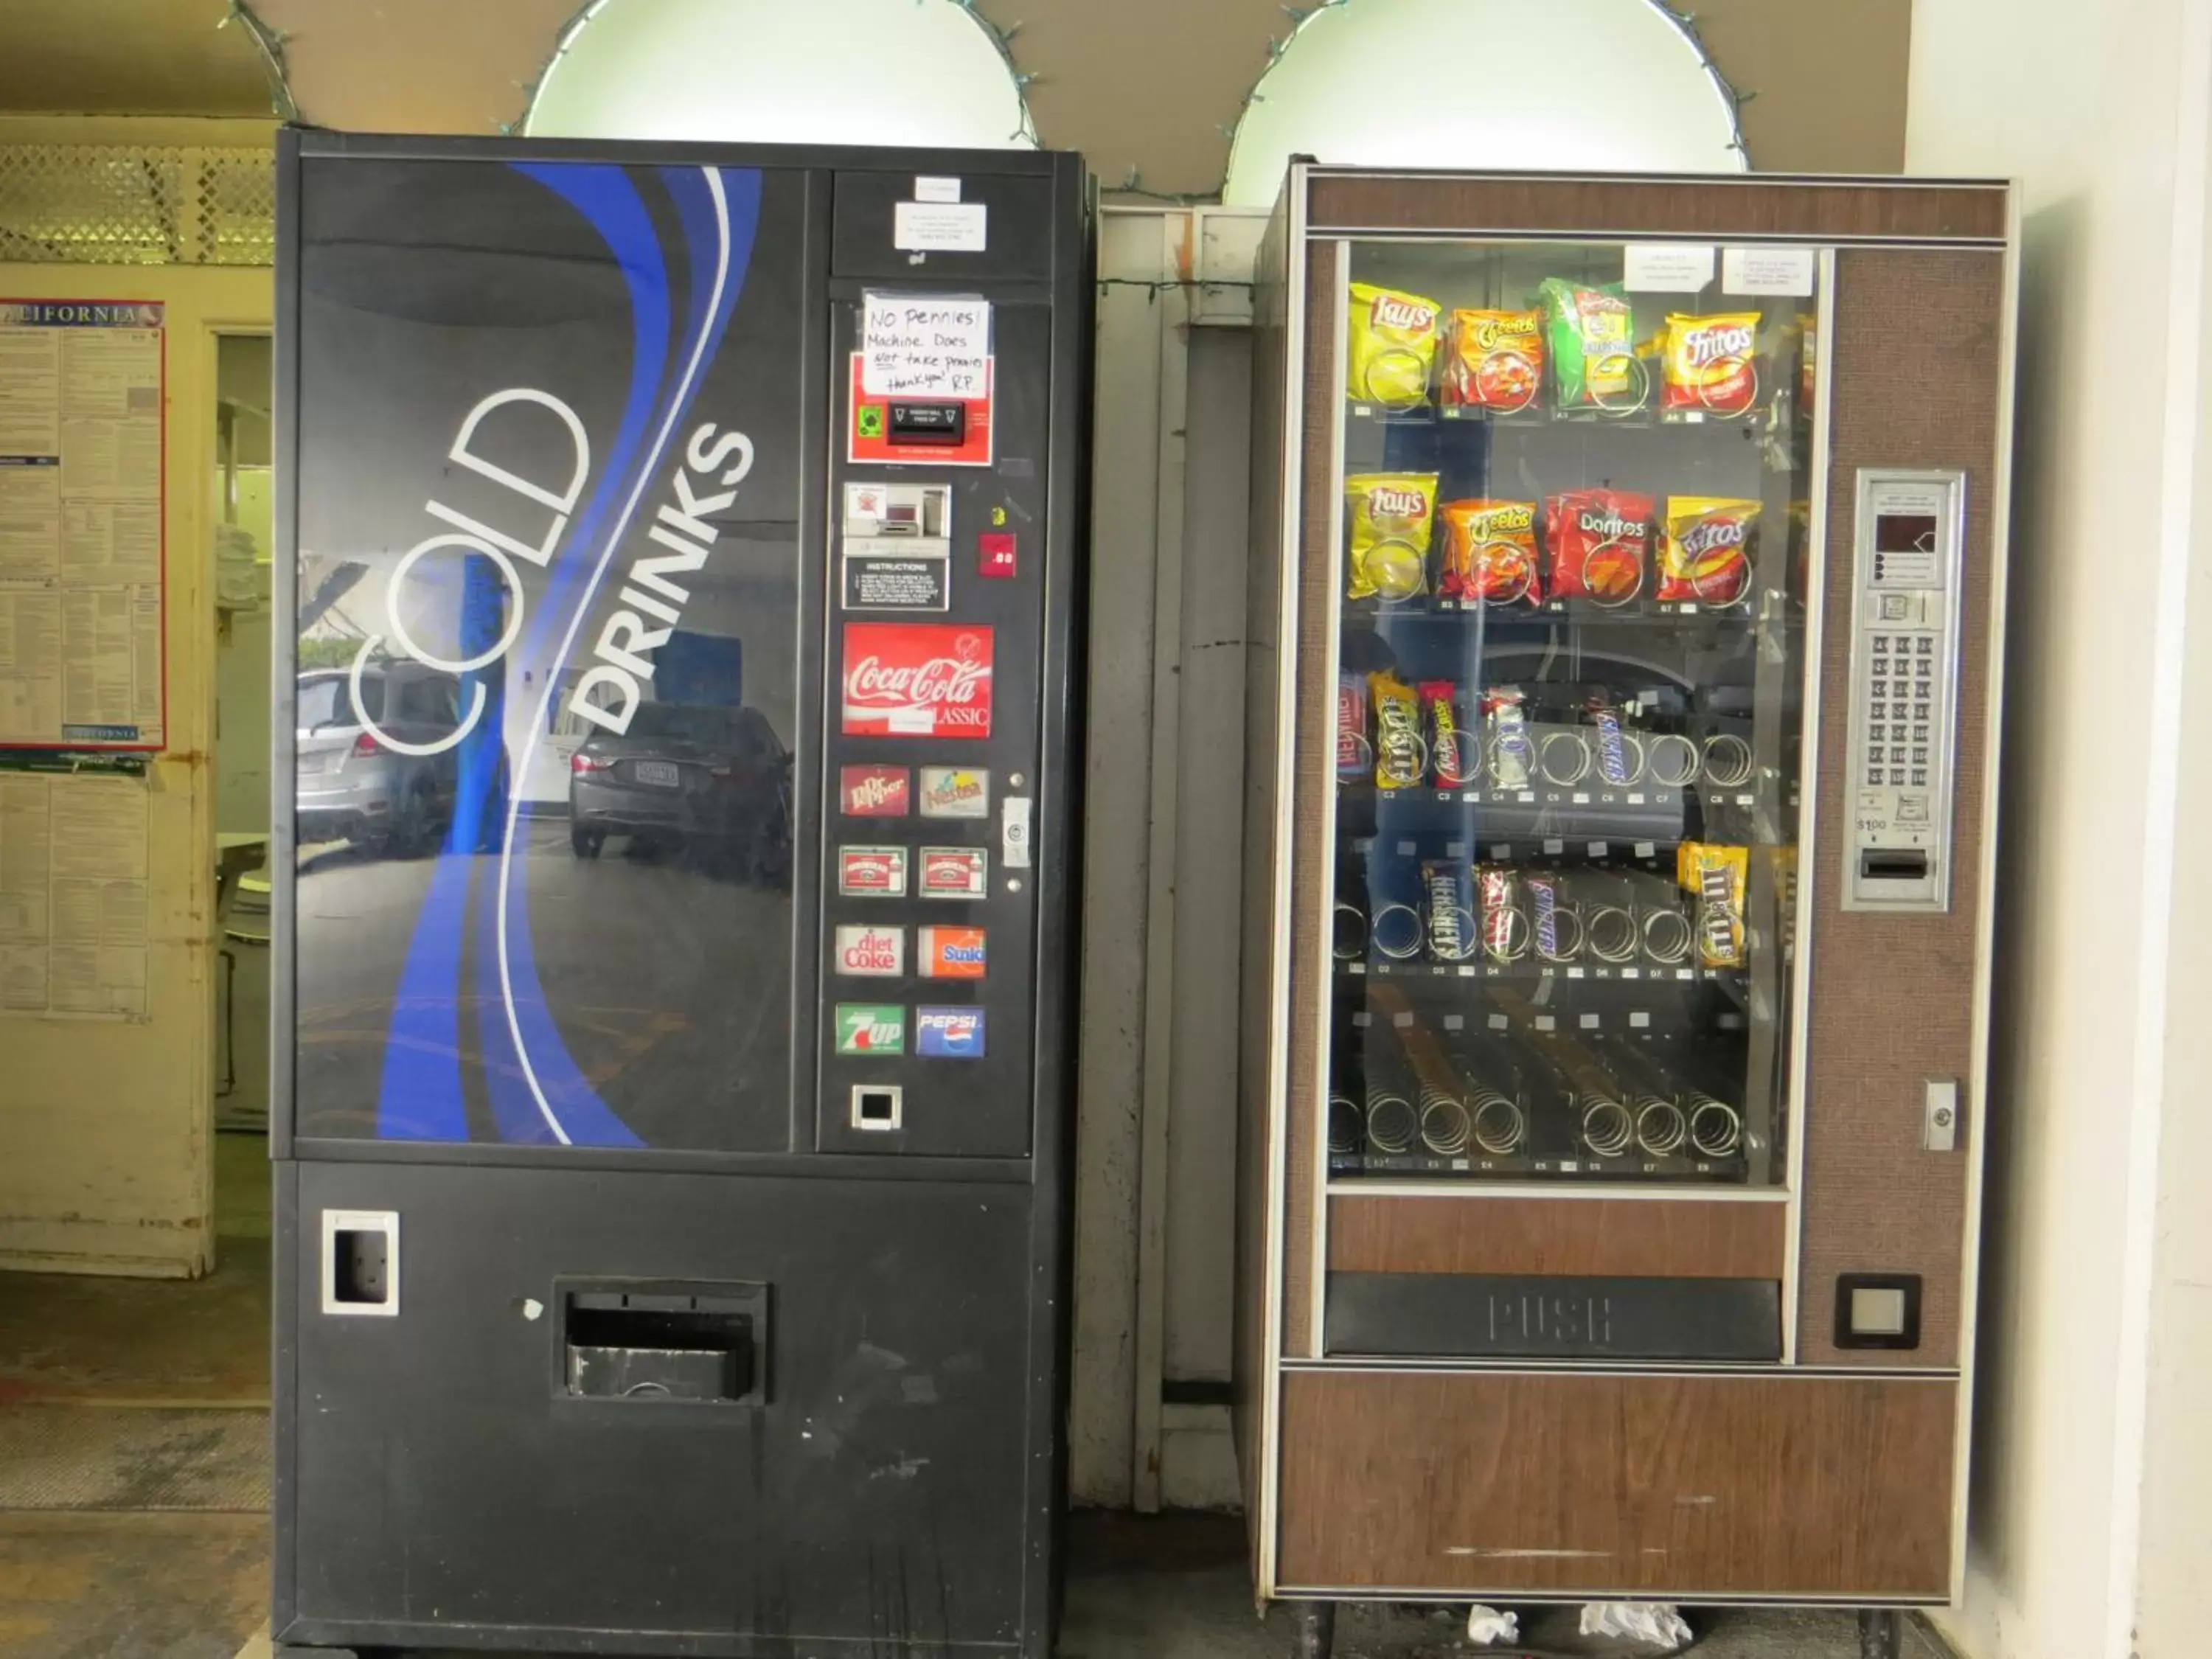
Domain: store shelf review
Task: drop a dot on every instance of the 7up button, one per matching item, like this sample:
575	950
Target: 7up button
871	1028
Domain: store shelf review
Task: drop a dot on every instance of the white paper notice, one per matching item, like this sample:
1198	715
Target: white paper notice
1783	270
73	929
936	189
938	226
921	347
81	556
1666	267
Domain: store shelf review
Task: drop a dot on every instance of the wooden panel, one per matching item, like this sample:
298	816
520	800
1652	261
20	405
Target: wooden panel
1312	792
1576	1236
1673	1486
1826	210
1913	377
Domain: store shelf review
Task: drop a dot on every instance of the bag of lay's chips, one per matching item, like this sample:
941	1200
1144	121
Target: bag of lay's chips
1706	557
1391	515
1490	552
1391	348
1713	878
1594	366
1706	364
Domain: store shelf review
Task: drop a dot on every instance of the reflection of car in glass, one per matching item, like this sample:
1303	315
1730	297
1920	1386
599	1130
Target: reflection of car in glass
699	775
350	787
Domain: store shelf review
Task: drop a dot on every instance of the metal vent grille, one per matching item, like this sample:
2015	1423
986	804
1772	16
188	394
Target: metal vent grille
137	205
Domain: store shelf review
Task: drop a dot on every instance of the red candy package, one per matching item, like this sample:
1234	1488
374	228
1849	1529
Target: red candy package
1451	753
1599	544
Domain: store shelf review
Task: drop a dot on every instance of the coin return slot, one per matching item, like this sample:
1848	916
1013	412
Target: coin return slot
876	1107
1893	863
694	1344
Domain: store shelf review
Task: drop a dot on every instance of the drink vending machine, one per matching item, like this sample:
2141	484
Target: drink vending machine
675	910
1626	606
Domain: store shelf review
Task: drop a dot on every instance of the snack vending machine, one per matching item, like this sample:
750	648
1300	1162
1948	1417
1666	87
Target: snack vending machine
1623	712
675	906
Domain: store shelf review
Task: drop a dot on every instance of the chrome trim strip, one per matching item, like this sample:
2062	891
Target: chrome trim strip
1279	989
1508	175
1325	977
1678	1193
1808	801
1516	1595
1399	1364
1569	235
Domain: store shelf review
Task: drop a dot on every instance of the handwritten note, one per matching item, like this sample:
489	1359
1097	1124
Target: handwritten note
925	347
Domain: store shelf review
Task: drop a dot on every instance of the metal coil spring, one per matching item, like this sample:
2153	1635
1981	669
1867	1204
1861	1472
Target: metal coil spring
1609	1129
1443	1123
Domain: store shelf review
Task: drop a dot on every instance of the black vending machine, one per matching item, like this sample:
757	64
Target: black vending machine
675	915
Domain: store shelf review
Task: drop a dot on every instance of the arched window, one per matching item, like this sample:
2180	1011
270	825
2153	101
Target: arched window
1565	85
828	72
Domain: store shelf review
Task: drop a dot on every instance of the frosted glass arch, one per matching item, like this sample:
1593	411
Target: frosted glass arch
1610	86
773	71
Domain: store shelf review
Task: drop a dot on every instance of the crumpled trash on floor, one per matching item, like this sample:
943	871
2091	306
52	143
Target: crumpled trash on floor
1487	1625
1655	1622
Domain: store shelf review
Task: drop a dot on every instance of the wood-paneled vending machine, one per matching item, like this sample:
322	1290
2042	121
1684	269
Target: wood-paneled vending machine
1626	612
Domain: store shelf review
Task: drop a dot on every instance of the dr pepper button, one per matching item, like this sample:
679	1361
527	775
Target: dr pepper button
994	553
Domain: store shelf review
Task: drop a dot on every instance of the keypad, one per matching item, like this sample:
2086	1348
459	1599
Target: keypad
1899	711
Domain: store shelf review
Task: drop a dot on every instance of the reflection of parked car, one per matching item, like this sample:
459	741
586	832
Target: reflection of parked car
693	774
352	787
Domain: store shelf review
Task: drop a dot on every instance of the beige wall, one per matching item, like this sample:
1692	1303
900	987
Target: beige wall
1141	84
105	1157
2088	1534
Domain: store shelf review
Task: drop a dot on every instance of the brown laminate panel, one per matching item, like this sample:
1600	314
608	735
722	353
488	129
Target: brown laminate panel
1836	210
1914	372
1492	1482
1578	1237
1312	792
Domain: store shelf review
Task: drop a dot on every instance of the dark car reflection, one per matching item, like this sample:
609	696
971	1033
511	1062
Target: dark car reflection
710	780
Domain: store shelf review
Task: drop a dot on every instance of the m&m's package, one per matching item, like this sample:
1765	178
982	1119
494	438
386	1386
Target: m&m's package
1392	346
1490	552
1401	755
1599	544
1494	359
1390	516
1707	556
1706	365
1713	878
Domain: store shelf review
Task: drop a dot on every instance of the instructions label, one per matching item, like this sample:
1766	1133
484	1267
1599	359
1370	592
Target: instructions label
938	227
885	581
1666	267
925	347
1780	270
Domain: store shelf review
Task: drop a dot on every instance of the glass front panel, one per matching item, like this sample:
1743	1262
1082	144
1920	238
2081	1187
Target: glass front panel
1575	534
547	634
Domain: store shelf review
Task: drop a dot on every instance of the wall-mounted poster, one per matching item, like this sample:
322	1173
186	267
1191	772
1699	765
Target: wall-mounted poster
82	555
